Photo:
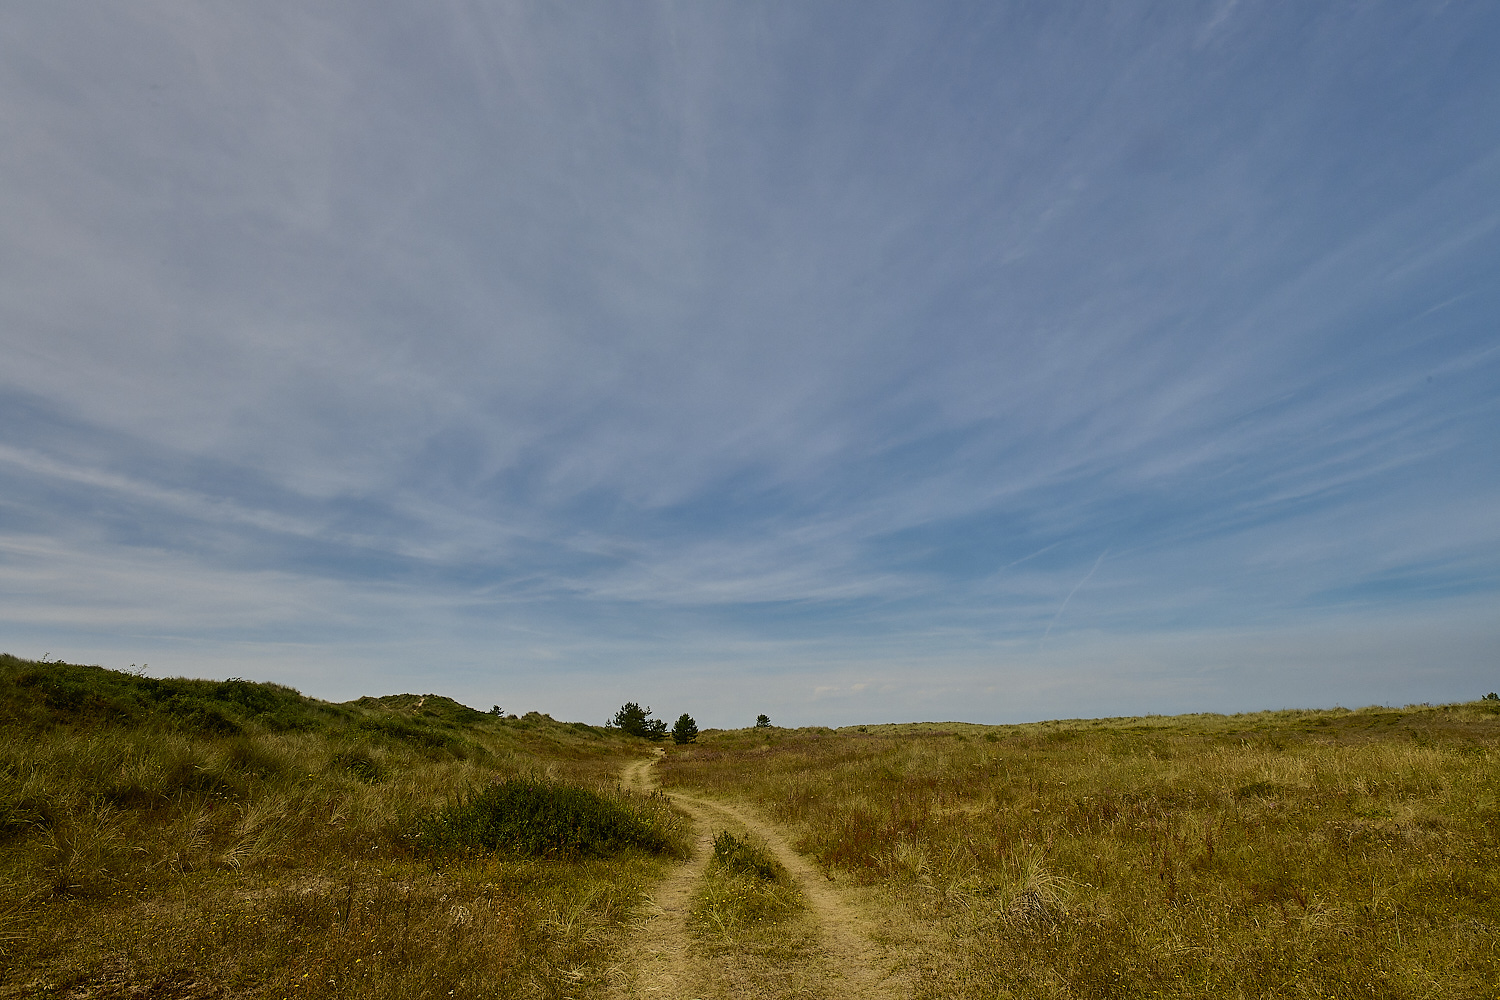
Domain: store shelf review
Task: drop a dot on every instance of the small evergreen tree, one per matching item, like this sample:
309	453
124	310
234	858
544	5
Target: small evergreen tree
636	721
632	718
686	730
762	722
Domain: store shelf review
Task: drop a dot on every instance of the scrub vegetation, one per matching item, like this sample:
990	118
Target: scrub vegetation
1297	854
177	838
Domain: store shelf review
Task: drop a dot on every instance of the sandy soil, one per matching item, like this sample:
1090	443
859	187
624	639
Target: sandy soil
846	959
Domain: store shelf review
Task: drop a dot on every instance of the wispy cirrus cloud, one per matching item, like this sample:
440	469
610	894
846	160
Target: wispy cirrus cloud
748	343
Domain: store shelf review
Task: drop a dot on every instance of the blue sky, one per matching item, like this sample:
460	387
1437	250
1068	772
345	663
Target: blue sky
845	362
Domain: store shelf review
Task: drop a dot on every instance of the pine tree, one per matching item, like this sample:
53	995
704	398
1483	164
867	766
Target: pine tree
636	721
686	730
632	718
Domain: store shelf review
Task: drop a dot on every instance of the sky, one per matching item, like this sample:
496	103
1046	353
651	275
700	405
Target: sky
844	362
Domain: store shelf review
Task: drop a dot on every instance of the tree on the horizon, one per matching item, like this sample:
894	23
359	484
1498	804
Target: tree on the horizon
686	730
762	721
636	721
632	718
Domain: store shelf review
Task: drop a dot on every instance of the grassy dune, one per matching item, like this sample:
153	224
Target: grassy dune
173	838
1297	854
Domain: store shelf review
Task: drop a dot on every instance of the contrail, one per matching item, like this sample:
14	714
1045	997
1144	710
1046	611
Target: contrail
1019	561
1086	577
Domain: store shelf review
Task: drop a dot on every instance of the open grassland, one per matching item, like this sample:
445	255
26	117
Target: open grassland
1295	854
173	838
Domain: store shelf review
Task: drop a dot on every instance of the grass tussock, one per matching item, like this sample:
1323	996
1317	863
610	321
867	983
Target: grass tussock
183	838
1301	854
740	856
745	888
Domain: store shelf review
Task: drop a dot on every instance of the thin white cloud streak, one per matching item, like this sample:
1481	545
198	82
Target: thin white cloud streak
218	509
1076	587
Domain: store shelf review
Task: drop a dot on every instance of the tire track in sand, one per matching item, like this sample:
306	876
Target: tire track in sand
852	963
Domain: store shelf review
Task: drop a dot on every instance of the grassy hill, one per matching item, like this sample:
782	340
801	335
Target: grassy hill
186	838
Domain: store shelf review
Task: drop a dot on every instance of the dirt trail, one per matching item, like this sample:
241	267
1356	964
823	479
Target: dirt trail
659	951
851	963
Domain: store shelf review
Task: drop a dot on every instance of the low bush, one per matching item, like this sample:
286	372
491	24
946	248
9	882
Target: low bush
534	818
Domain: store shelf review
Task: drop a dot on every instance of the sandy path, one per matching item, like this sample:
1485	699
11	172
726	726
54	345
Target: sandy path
852	964
658	951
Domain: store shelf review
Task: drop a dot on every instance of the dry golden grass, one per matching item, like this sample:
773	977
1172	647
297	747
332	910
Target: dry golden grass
149	858
1298	854
190	839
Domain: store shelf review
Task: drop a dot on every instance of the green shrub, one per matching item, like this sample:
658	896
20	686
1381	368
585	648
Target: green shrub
538	819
